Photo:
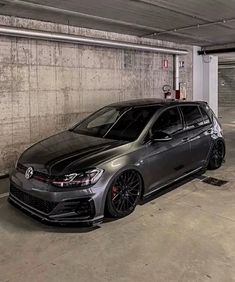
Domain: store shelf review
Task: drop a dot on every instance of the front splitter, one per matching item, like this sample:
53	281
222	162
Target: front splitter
53	221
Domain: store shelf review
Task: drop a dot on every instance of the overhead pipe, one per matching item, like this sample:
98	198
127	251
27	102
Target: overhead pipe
216	51
194	26
76	39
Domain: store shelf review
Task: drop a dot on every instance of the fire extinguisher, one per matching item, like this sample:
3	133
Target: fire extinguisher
167	91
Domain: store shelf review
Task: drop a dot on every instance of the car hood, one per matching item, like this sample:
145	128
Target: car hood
68	152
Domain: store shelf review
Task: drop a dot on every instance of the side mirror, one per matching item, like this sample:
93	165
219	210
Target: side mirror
160	136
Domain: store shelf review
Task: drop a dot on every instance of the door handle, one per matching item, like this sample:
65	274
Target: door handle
185	139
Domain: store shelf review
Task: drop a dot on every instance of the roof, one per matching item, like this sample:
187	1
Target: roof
151	102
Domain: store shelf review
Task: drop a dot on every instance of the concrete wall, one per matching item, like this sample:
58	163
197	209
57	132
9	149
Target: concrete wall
46	86
226	87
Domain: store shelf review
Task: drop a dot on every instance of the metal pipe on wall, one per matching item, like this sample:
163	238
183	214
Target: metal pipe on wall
76	39
176	72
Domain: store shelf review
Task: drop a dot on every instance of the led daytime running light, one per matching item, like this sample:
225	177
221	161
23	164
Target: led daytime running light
87	178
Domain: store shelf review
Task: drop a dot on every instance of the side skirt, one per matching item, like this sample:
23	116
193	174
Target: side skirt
171	182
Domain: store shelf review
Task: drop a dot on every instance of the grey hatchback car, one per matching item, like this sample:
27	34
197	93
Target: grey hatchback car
114	158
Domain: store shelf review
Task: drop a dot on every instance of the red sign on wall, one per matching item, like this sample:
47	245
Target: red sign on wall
165	64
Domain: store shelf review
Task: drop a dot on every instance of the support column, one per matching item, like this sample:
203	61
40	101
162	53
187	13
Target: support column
205	79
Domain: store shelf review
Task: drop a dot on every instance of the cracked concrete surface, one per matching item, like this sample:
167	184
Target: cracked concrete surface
187	234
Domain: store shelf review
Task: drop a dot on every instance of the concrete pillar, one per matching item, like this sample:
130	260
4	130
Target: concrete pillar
197	75
205	79
210	75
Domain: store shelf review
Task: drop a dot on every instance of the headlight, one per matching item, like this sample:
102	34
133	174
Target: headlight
81	179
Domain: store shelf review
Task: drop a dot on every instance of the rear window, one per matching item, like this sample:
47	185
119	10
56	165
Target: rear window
169	122
192	116
205	116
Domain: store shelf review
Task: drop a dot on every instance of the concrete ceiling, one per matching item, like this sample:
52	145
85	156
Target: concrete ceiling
197	22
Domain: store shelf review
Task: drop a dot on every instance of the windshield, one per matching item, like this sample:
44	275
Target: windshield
117	123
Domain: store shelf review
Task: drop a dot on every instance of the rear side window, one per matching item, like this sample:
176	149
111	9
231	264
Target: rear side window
169	122
205	116
192	116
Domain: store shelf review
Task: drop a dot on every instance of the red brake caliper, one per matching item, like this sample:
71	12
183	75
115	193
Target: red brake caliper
115	191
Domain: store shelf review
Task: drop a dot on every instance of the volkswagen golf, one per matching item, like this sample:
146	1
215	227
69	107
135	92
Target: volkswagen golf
117	156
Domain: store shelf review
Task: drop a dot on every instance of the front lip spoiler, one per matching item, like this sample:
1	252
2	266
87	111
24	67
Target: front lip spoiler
52	221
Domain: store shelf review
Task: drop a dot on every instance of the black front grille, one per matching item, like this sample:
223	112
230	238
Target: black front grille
34	202
37	174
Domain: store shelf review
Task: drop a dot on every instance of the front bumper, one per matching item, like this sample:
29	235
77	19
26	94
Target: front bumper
56	207
50	220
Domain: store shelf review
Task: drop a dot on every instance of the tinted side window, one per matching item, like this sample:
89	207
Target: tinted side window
192	116
205	116
131	124
168	122
119	123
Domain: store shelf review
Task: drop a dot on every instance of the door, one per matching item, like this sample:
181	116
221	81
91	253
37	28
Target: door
198	128
167	160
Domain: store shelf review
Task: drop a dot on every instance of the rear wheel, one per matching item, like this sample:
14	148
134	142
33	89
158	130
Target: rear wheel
217	155
124	194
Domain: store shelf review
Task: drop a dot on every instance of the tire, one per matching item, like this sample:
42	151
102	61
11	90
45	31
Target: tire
124	194
217	155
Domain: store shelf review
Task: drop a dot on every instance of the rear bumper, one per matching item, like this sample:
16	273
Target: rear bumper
79	210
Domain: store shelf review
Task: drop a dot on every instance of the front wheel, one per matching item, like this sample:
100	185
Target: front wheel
217	155
124	194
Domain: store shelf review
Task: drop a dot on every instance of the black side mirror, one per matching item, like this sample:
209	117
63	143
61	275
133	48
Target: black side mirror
160	136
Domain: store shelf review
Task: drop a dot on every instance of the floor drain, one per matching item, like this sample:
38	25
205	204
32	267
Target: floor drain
214	181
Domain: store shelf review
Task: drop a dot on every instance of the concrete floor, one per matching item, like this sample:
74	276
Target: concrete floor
187	234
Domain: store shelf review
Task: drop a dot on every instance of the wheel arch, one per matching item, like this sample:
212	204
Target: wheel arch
212	146
116	174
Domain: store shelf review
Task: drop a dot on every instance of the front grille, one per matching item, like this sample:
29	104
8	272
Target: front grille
34	202
37	174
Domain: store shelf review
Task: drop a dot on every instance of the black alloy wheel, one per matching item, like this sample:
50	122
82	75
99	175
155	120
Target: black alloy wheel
124	194
217	155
